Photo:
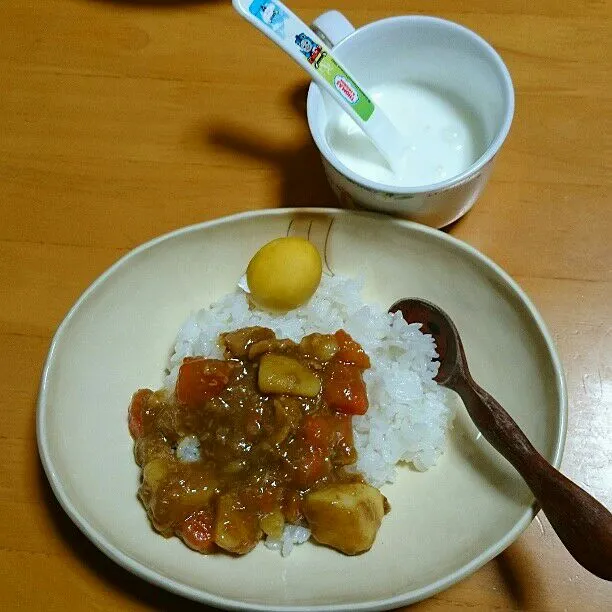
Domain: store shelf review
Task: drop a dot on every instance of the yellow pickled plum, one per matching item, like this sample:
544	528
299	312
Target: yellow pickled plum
284	274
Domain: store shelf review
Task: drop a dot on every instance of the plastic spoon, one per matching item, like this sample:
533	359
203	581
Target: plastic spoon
581	522
292	35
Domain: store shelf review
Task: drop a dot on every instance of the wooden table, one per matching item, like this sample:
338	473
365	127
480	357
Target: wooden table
121	120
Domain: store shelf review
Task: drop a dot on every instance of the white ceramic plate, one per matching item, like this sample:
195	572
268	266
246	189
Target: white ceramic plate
444	523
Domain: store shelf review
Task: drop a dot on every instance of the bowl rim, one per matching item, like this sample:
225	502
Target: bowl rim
174	586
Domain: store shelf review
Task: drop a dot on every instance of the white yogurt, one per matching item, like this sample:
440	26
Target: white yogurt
443	137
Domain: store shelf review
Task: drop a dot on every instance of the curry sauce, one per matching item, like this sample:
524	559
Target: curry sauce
260	439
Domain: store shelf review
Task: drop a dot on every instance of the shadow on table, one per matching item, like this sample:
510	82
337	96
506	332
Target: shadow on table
302	178
452	227
117	578
518	571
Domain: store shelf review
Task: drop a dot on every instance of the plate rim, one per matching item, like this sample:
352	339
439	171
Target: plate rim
170	584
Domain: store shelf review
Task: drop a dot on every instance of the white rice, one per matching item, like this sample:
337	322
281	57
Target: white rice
188	449
408	414
292	534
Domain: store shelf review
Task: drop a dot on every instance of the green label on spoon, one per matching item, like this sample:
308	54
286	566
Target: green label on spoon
335	75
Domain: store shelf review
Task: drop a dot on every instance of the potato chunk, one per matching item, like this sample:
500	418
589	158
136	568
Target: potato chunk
272	524
155	471
235	529
345	516
282	374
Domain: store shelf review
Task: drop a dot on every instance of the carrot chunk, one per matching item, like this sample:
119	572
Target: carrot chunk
344	390
197	531
136	412
200	379
351	351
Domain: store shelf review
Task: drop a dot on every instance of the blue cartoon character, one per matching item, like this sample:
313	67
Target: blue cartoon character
271	14
309	48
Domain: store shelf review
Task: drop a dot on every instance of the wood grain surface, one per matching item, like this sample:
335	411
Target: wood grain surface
121	120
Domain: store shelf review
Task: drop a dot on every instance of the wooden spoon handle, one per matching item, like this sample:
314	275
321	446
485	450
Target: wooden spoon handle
581	522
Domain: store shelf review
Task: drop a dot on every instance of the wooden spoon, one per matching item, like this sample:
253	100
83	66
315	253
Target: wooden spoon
583	524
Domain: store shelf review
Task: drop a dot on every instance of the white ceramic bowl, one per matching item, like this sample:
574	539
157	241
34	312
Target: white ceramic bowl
441	56
444	523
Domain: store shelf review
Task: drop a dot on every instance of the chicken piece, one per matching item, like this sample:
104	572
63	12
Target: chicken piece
171	495
287	416
268	346
288	409
235	529
237	343
150	447
319	346
286	375
345	516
